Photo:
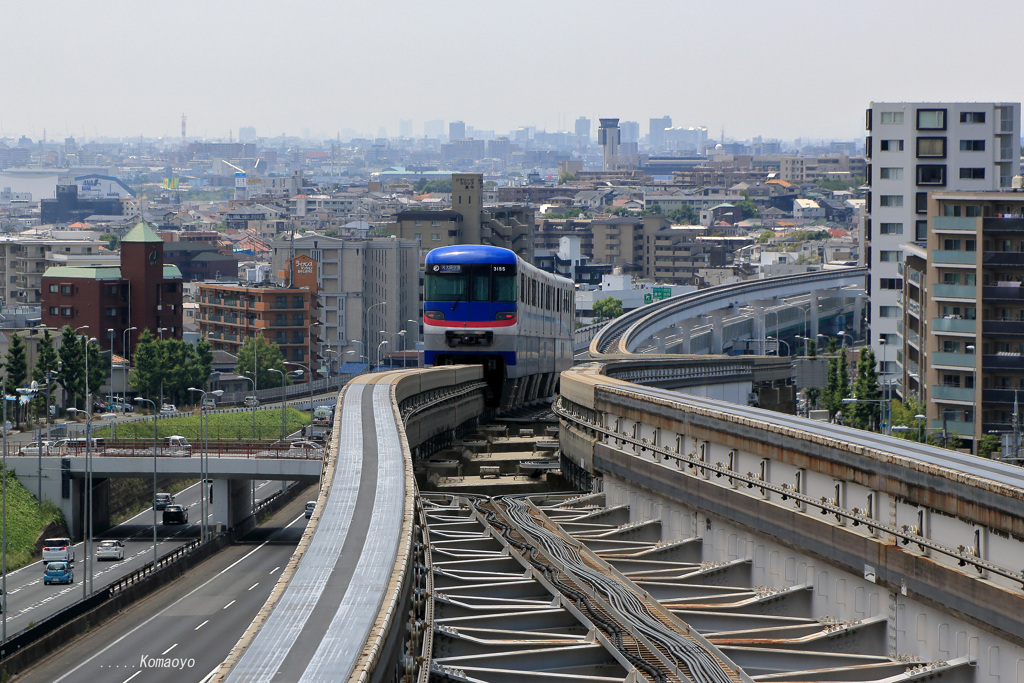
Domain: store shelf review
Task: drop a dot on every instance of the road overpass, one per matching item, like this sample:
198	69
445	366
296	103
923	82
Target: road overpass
232	474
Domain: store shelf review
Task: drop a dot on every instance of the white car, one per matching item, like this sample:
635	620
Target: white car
110	550
168	409
58	550
34	449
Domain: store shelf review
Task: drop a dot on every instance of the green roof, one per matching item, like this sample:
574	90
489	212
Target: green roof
171	272
83	273
141	233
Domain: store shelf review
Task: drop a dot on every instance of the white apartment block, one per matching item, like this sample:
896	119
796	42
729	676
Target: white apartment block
25	256
914	148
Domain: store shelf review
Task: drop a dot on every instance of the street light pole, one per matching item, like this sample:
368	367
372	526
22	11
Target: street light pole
284	403
139	399
362	349
127	362
3	593
415	328
366	323
253	406
309	382
378	352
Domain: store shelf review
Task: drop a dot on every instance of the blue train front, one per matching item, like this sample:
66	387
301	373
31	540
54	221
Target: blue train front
485	305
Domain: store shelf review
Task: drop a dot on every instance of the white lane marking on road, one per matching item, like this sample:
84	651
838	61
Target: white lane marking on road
201	625
253	586
130	677
273	570
168	649
228	605
146	622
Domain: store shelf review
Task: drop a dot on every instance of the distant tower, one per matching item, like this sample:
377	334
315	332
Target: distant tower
608	137
184	119
457	130
656	136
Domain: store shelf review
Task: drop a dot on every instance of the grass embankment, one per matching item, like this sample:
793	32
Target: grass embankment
25	522
222	426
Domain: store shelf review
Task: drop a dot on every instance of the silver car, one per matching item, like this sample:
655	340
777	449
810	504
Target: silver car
110	550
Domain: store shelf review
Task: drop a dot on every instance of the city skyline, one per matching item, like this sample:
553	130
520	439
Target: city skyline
795	69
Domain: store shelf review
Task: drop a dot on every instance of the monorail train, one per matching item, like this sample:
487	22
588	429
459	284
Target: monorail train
485	305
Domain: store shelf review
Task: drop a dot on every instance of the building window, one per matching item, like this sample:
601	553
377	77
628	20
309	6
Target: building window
890	145
54	310
111	312
892	117
972	145
65	289
891	283
890	256
417	223
65	311
931	119
950	244
890	229
893	200
921	231
435	224
921	203
972	211
951	210
972	173
931	147
972	117
418	236
890	173
931	174
889	311
435	237
54	289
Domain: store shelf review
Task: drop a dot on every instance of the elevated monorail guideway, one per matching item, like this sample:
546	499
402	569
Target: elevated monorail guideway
628	332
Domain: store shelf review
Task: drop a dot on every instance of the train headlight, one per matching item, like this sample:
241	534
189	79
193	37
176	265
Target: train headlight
433	315
505	315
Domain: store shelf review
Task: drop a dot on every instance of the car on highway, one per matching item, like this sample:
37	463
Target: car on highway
58	572
162	500
33	448
310	507
58	550
177	444
305	448
252	402
175	514
168	409
209	403
110	550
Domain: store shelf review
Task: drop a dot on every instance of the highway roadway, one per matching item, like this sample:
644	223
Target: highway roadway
186	629
29	601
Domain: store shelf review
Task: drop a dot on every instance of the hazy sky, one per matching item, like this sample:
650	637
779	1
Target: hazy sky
780	69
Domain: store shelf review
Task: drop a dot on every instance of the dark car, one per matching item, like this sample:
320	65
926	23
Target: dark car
175	514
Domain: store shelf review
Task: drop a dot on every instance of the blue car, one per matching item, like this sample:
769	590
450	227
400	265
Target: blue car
58	572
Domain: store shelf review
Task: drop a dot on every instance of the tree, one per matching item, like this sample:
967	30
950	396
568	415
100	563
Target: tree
565	177
99	367
765	236
71	375
989	444
47	364
607	308
258	352
811	348
748	209
865	388
904	414
812	394
838	386
16	369
147	375
112	240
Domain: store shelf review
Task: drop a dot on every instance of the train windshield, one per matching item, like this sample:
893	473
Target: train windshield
457	282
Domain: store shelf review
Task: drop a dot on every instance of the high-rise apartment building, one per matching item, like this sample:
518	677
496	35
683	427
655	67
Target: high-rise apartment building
914	148
656	136
583	131
964	314
457	130
364	287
